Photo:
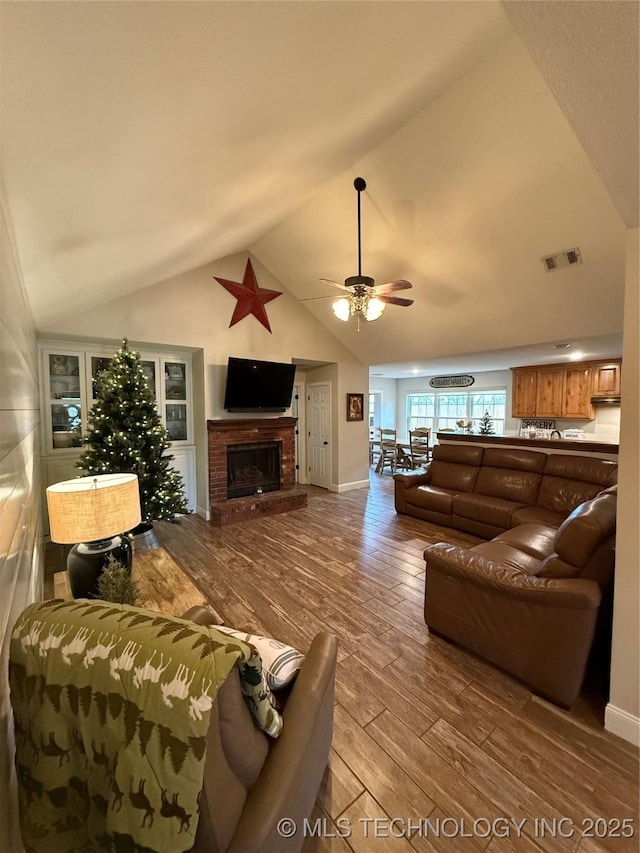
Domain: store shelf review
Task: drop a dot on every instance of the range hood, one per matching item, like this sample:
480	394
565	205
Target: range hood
606	401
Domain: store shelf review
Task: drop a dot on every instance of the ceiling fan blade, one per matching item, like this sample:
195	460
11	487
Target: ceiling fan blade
313	298
391	286
334	284
395	300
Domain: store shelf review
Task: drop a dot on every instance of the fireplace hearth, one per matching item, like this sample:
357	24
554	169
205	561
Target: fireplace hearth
236	462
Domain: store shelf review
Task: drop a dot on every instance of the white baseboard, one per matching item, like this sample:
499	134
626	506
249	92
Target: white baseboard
347	487
622	723
200	510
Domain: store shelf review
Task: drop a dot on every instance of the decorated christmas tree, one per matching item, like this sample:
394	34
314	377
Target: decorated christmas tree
126	435
485	425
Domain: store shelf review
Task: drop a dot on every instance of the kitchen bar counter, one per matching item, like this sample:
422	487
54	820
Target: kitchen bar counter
555	444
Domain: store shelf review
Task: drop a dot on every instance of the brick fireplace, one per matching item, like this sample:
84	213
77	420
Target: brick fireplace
252	432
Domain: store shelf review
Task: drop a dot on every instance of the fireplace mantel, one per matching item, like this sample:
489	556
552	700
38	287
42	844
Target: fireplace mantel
221	433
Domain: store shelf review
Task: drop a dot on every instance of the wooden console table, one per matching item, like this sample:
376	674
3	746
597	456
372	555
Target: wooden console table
162	585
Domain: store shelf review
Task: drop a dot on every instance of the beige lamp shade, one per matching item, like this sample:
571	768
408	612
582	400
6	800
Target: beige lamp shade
91	508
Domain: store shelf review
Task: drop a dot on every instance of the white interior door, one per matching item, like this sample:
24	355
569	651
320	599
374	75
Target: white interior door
319	433
298	411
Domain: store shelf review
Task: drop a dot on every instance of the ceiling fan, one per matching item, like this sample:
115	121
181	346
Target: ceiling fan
365	301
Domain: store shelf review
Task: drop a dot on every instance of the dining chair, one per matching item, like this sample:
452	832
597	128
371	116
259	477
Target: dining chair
388	450
373	445
419	446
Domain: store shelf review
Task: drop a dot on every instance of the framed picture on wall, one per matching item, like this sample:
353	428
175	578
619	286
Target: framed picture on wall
355	407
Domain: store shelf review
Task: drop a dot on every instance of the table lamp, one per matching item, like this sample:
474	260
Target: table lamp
93	513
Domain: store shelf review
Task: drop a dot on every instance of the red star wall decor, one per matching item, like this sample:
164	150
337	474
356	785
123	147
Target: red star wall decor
251	298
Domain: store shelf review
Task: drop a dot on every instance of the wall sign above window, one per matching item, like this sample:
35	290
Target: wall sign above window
459	381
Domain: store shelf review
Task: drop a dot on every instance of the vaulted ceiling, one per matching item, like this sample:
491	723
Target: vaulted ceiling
140	140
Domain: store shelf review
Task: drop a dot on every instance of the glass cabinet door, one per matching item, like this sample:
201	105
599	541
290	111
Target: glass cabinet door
177	421
98	365
65	400
175	395
150	372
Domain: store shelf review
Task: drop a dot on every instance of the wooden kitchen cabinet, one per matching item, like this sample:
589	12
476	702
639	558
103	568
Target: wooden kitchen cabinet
577	393
523	393
550	392
554	391
606	379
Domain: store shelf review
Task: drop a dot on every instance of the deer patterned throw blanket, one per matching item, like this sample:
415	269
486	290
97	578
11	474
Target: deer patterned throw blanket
111	710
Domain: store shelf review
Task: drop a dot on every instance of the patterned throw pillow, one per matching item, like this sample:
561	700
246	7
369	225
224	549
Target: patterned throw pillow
280	663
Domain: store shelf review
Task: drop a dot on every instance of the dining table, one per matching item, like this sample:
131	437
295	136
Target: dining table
403	455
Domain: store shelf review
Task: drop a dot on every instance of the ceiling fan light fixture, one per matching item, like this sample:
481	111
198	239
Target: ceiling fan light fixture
374	309
342	308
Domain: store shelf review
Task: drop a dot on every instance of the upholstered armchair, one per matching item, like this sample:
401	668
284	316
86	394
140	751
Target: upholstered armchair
138	731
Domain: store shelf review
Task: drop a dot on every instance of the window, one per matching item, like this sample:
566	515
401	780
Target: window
493	402
439	411
451	408
420	410
375	409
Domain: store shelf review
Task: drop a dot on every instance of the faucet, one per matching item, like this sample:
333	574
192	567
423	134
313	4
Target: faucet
554	433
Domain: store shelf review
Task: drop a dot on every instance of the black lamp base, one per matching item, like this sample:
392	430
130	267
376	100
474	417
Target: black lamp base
87	560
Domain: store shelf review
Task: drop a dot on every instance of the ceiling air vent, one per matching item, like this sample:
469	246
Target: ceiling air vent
562	259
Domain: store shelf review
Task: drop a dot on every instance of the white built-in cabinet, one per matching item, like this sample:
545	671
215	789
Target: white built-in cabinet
68	372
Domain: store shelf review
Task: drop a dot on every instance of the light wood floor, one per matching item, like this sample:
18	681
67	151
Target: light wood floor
422	728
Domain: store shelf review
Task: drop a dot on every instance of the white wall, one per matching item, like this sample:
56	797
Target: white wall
389	390
623	711
21	557
194	310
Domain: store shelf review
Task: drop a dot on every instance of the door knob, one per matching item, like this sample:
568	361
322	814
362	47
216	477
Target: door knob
325	442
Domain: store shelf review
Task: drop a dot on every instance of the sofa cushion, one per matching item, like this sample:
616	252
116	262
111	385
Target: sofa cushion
588	526
453	476
512	485
461	454
508	555
518	460
281	663
534	539
454	467
432	498
562	496
537	515
569	481
555	567
583	468
486	509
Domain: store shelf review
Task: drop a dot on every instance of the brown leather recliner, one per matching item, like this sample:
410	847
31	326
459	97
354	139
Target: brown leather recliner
251	782
531	599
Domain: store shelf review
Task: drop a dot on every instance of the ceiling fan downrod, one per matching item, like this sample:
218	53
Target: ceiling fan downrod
360	184
361	281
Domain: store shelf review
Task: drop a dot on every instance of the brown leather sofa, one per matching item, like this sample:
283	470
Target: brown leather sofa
252	782
486	491
532	599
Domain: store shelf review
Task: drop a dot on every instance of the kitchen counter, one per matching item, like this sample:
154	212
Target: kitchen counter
555	444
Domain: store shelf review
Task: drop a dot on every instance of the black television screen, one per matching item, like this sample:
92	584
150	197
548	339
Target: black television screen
258	386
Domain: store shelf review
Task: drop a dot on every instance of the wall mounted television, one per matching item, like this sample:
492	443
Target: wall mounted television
258	386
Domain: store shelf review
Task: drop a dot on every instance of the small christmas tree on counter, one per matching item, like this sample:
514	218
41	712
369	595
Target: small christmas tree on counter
485	425
126	435
115	583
